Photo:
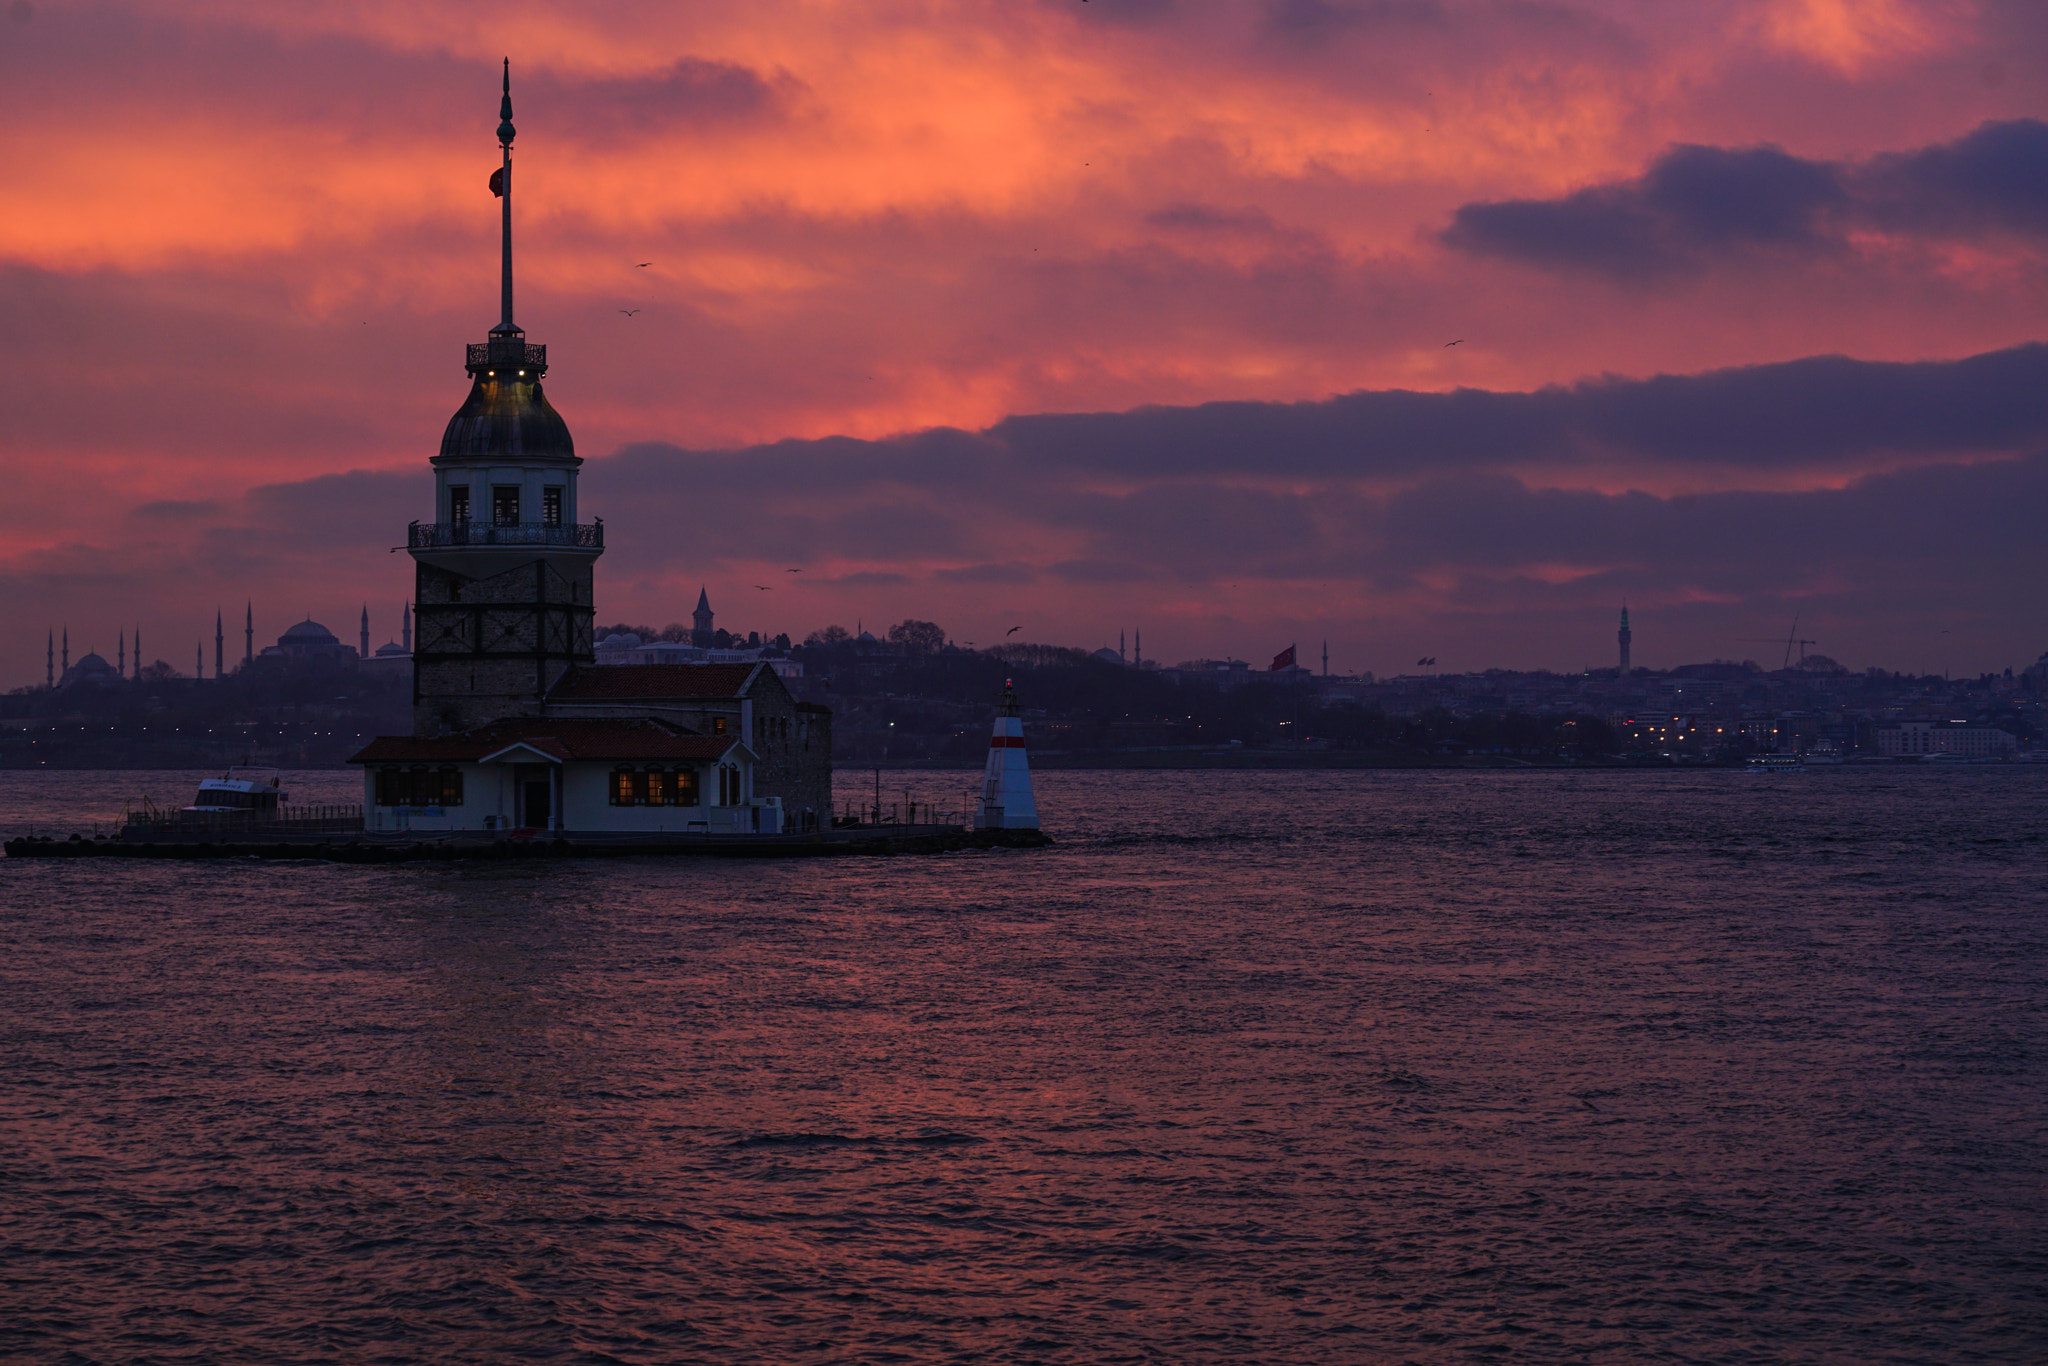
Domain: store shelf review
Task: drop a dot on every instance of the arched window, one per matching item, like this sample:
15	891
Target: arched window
657	787
622	787
685	790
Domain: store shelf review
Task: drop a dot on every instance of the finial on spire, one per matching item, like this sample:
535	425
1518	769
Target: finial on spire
506	132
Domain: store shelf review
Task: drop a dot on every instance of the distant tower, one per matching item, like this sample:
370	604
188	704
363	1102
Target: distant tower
1326	659
1007	802
121	656
365	651
50	662
405	629
199	658
700	629
220	642
1138	649
138	654
1623	636
67	649
504	530
1120	648
249	634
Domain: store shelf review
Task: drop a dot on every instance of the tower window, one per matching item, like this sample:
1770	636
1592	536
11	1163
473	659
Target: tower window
505	505
551	505
458	502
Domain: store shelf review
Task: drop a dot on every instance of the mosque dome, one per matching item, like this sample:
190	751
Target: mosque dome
308	632
94	663
391	649
506	415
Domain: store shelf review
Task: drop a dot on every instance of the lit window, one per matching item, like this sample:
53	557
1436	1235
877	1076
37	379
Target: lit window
458	502
505	505
551	505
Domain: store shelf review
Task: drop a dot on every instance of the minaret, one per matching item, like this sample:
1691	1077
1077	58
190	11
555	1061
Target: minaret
67	649
1121	656
50	662
1137	649
504	529
364	652
1007	802
121	656
138	654
700	621
1326	659
249	634
405	628
1623	636
219	645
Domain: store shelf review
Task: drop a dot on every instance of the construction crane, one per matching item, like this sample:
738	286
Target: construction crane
1793	640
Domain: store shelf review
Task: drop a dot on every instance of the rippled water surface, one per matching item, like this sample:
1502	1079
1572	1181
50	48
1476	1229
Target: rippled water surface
1276	1068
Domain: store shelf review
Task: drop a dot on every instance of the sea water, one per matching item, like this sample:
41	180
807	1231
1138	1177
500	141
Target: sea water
1294	1067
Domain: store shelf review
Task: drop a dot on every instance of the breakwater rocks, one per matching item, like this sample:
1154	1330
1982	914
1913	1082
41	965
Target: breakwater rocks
870	842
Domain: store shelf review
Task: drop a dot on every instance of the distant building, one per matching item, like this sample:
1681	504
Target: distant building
1920	739
702	631
1623	636
309	640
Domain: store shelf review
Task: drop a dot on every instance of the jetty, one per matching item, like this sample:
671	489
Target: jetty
334	846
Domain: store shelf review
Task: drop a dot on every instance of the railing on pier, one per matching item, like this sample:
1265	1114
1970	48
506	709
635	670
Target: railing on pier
441	535
289	821
891	813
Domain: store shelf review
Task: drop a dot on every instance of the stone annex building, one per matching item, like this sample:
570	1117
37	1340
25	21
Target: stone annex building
515	726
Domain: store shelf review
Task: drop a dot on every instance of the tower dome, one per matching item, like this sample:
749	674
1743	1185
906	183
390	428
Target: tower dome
506	412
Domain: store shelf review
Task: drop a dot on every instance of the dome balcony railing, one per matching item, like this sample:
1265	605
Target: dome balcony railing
442	535
507	354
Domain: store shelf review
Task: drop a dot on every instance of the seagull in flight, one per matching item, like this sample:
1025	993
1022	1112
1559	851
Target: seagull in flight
643	265
1011	632
793	571
764	588
1459	342
629	312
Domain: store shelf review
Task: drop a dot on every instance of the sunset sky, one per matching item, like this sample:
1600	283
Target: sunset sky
1079	315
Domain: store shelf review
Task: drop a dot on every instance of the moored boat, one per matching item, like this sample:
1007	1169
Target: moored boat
241	791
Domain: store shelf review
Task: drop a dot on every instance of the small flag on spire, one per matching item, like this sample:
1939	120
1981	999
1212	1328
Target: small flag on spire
498	183
1283	660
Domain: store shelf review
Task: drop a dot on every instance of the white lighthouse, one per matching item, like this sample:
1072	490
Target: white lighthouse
1006	799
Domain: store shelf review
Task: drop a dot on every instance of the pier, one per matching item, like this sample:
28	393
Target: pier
873	841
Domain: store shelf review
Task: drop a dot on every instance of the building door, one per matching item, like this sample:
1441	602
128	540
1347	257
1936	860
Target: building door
535	806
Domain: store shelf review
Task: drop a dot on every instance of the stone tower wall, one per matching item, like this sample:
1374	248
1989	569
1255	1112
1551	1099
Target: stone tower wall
490	646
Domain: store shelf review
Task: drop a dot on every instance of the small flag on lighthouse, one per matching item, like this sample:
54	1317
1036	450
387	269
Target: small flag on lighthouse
498	183
1283	660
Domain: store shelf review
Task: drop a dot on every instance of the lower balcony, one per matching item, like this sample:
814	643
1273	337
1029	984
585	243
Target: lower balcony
443	535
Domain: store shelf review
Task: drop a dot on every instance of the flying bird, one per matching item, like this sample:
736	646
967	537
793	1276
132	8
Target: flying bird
793	571
629	312
1459	342
1011	632
643	265
764	588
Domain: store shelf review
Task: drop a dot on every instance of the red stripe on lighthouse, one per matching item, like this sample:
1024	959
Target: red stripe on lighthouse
1006	742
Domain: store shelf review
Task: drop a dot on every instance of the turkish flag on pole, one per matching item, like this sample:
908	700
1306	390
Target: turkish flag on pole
1283	660
498	183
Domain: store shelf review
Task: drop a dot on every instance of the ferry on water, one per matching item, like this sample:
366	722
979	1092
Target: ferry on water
1773	763
241	791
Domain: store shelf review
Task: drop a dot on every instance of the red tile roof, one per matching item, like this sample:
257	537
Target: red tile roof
633	682
562	738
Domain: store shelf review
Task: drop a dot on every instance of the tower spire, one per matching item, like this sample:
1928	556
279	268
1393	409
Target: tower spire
506	132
